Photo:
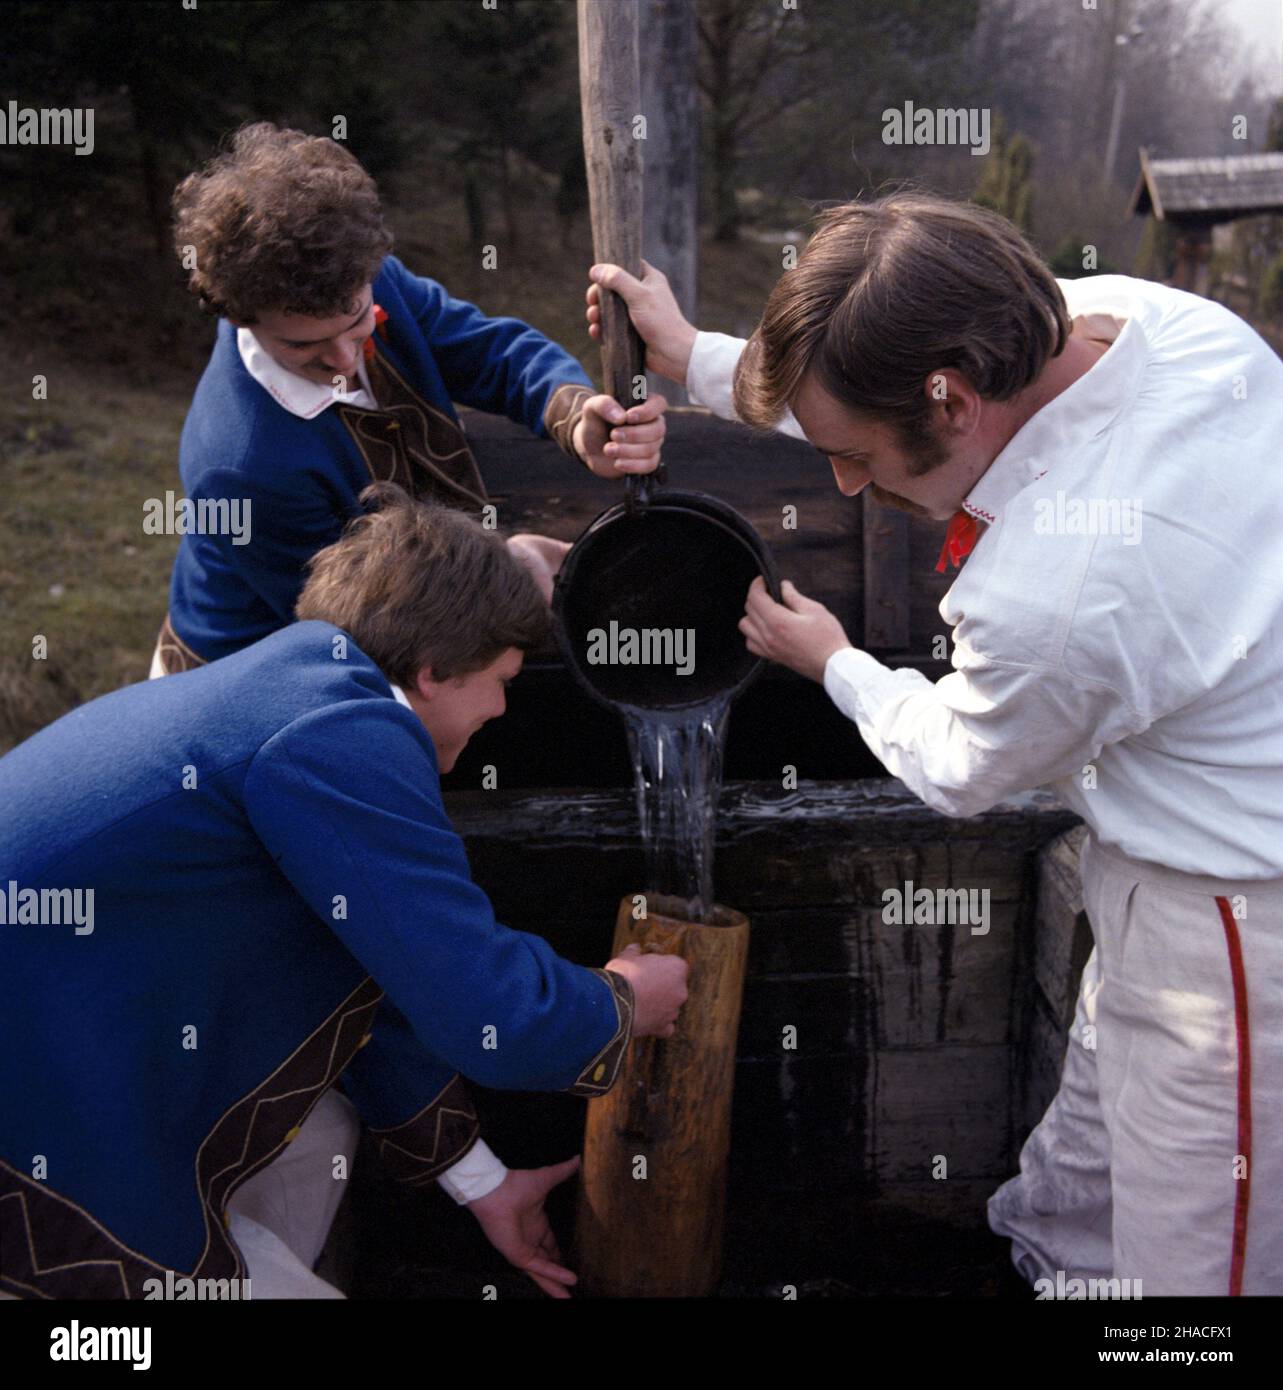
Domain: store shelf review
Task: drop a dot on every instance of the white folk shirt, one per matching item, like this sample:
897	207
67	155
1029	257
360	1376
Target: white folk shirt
298	394
1118	627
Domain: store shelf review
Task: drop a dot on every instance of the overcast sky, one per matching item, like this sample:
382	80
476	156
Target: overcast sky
1261	23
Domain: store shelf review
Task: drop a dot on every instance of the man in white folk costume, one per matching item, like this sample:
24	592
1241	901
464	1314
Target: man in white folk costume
1111	452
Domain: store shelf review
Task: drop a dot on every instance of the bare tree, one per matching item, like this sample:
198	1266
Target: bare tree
743	43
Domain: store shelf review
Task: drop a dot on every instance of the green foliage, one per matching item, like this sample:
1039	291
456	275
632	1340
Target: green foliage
506	90
1006	180
1270	294
789	93
167	84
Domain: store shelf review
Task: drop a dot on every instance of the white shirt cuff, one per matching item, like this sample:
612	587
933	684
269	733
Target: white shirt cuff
710	377
477	1173
711	370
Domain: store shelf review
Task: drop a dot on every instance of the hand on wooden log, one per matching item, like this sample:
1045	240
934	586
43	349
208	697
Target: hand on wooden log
798	633
614	441
659	989
654	311
515	1223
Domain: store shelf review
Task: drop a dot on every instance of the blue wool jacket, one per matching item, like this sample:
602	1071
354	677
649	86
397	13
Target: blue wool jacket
302	477
269	854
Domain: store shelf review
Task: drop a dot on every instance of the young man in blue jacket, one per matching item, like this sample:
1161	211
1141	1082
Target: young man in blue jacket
227	891
303	403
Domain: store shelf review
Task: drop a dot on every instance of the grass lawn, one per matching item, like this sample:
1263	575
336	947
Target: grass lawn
75	565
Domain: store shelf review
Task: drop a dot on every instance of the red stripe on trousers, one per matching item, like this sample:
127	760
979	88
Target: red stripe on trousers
1239	979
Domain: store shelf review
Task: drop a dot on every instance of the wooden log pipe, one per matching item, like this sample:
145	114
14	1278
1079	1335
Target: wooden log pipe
652	1190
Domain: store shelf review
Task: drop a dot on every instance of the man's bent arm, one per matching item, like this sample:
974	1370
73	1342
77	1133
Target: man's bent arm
419	1112
499	364
984	732
347	801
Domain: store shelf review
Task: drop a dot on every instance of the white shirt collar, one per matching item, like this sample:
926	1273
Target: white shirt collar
301	397
1082	411
399	695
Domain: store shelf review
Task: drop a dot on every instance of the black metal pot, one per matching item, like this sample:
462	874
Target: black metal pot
663	561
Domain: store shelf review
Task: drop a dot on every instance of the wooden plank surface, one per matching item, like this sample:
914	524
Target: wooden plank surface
887	578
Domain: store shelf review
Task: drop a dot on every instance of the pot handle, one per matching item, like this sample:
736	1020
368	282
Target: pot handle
639	490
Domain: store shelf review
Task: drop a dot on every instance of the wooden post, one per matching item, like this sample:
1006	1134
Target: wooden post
610	95
886	577
652	1192
670	102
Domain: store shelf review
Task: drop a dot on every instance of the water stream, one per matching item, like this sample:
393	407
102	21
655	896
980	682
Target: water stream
677	775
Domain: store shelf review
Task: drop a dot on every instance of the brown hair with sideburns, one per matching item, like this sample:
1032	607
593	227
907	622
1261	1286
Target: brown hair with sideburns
892	290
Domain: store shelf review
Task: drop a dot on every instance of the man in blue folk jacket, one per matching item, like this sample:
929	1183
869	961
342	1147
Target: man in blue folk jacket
303	403
224	892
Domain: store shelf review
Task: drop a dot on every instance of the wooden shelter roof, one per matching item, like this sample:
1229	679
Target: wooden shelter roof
1209	190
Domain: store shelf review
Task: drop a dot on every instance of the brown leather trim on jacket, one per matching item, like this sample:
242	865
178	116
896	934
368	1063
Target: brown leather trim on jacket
414	444
603	1071
51	1247
175	655
418	1151
563	412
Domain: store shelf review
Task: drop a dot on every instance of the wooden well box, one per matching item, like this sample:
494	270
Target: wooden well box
887	1073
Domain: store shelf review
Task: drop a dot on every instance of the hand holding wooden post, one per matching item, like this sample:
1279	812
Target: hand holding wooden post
610	97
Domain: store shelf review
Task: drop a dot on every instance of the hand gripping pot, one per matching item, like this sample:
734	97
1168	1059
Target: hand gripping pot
647	604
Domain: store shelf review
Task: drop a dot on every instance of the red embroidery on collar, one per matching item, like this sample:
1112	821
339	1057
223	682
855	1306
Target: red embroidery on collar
380	318
958	540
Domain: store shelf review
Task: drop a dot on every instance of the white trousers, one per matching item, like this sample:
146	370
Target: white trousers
1161	1157
280	1217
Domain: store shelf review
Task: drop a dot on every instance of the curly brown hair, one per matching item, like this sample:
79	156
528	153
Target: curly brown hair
280	222
417	584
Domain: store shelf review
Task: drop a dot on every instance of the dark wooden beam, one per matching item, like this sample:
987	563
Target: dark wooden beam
886	577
